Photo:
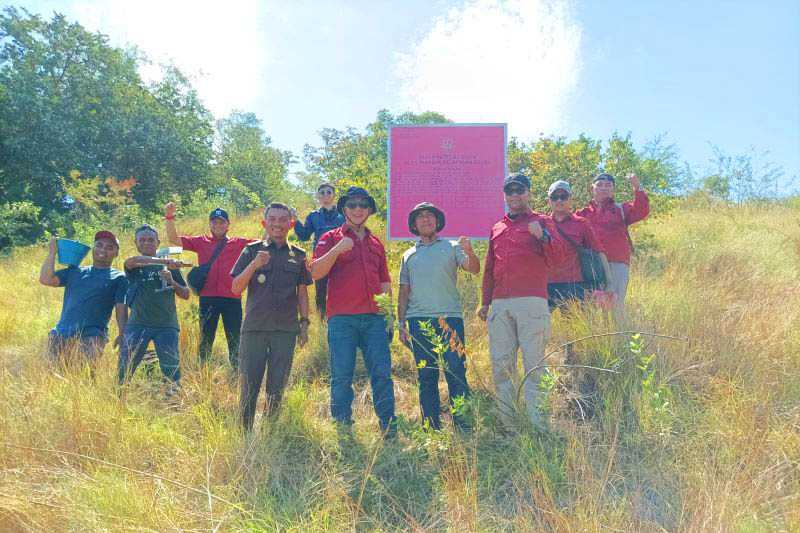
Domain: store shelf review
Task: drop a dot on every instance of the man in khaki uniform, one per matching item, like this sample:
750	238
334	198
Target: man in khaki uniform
276	278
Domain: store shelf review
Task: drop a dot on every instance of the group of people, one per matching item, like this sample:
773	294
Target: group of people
533	265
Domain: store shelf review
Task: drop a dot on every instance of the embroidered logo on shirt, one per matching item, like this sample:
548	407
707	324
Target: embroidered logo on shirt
261	278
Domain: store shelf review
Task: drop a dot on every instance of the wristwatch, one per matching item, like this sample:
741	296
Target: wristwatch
305	320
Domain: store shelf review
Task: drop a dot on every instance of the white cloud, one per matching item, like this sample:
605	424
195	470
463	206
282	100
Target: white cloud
219	46
512	61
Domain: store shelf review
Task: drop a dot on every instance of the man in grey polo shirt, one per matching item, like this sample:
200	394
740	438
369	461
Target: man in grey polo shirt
428	294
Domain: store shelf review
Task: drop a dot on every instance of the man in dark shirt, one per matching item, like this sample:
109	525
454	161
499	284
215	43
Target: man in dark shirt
90	294
276	278
154	283
319	222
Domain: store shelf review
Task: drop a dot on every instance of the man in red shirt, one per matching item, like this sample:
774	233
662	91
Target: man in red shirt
355	262
610	221
522	247
216	297
564	280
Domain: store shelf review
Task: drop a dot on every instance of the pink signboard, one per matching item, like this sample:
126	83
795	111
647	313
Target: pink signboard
457	167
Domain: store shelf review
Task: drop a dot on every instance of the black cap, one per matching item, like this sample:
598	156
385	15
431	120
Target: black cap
603	176
218	213
517	178
425	206
327	185
352	192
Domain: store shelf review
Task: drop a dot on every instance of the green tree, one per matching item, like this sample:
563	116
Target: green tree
70	101
348	157
245	153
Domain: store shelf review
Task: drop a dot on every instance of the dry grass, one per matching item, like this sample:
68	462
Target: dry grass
723	454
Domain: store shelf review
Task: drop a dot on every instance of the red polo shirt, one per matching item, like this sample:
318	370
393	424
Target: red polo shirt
219	280
357	275
580	231
517	262
608	224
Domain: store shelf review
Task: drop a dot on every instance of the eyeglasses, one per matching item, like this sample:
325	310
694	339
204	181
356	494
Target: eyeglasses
513	190
325	192
556	197
353	204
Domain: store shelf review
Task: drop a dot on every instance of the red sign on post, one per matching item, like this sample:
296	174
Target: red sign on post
457	167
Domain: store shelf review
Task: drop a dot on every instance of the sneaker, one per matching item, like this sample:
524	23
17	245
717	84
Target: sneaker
173	389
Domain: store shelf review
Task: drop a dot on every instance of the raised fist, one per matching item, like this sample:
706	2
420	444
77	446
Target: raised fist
345	245
261	259
634	179
465	244
170	209
536	229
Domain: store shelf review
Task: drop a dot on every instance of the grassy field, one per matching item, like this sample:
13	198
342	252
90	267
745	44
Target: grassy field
697	429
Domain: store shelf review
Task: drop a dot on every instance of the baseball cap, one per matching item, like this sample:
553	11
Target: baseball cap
603	176
105	234
517	178
556	185
219	213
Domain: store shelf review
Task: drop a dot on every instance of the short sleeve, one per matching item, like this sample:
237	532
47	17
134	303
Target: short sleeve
63	275
178	277
120	290
405	275
245	258
190	243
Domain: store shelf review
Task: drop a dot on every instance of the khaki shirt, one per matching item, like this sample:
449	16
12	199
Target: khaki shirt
272	291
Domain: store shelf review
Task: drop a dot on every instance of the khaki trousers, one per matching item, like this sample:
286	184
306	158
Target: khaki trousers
518	323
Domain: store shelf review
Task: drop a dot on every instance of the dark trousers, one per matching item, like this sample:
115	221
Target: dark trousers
321	295
134	344
260	350
561	294
211	308
455	371
346	333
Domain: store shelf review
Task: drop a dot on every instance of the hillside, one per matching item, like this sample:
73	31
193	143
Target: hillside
705	435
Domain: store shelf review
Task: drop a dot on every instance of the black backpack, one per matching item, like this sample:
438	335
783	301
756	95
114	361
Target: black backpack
591	261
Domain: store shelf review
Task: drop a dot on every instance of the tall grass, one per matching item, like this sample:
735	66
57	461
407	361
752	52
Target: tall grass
703	435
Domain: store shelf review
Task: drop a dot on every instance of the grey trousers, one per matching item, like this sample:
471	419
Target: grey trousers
518	323
619	282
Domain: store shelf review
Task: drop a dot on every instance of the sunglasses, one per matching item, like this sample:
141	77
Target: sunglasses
325	192
515	190
556	197
353	204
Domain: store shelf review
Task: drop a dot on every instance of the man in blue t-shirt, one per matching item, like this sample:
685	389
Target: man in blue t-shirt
89	295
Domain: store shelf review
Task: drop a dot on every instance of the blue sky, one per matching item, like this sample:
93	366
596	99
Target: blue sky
701	72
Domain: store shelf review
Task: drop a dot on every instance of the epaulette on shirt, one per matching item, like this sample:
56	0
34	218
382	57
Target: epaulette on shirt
296	250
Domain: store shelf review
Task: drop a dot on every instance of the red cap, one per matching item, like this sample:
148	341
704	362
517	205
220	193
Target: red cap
105	234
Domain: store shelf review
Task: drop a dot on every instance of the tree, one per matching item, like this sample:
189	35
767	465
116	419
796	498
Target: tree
69	101
245	153
349	158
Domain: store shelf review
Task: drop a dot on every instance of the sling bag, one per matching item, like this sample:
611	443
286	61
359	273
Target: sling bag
591	261
196	278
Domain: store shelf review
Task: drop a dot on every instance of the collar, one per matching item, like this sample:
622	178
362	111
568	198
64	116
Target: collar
509	218
568	217
347	228
606	204
434	241
269	243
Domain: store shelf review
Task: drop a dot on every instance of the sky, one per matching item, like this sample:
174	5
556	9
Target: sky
700	73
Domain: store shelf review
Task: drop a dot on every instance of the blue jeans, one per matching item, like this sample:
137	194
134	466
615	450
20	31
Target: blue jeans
455	372
368	332
134	344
